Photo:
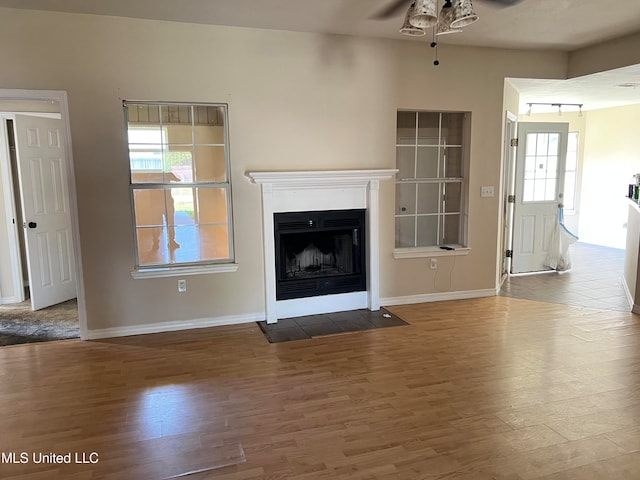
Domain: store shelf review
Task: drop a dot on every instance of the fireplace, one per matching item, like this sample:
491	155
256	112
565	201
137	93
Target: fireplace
319	253
320	191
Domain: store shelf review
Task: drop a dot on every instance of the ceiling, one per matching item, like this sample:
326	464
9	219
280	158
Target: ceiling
562	25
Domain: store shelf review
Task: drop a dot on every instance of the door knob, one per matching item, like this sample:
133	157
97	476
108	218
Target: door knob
33	224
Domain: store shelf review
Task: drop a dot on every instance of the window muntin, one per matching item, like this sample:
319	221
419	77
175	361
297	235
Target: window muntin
430	181
180	189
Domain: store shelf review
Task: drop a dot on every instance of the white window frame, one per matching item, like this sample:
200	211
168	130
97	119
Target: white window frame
439	249
184	268
572	211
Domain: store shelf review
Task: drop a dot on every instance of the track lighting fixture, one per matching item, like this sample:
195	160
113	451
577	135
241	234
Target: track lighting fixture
556	105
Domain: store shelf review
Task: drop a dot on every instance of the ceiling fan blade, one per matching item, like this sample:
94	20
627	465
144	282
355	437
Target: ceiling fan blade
394	8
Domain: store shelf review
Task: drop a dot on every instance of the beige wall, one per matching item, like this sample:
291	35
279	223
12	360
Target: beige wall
296	101
616	53
611	158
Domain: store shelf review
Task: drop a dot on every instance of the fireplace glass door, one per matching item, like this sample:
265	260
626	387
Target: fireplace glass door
319	253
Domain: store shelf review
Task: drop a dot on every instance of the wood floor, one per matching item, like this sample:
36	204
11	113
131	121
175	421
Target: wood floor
495	388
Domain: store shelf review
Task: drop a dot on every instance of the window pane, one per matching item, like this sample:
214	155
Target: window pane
209	126
141	114
427	231
180	206
552	167
528	190
530	167
427	166
539	190
212	205
554	138
405	198
152	246
452	197
550	189
572	152
428	198
428	128
149	207
451	229
406	128
405	232
531	143
572	145
406	162
214	243
452	132
178	165
146	166
211	164
542	143
201	244
176	114
178	134
452	162
569	190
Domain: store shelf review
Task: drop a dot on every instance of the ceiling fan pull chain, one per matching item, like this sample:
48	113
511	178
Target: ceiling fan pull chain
434	44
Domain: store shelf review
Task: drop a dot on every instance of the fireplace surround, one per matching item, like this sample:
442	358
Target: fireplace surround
314	191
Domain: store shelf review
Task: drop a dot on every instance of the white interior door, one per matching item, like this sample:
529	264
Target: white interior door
540	166
45	206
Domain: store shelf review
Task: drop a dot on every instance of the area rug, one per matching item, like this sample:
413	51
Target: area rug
19	324
313	326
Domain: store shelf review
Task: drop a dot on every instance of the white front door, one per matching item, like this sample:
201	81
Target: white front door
540	165
45	206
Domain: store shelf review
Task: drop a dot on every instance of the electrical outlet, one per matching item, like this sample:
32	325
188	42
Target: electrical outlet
182	286
434	264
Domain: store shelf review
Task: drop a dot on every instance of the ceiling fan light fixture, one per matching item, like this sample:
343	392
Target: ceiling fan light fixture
463	14
444	21
407	28
425	14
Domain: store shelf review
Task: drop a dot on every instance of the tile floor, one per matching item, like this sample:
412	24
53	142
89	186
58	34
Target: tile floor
595	281
328	324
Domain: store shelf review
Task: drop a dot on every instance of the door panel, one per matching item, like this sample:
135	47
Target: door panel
45	206
540	165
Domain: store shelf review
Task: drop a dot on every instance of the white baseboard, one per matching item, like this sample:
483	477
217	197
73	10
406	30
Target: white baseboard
173	326
438	297
257	317
629	296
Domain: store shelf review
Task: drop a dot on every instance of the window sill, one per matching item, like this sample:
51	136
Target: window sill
161	272
422	252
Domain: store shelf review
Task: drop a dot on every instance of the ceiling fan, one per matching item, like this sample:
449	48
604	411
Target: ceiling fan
424	14
396	6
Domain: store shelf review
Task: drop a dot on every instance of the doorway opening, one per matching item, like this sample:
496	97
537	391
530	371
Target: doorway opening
40	280
595	279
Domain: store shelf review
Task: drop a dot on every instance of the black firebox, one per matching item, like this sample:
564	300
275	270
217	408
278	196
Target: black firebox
319	253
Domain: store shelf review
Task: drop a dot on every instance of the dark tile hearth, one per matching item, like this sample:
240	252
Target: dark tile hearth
328	324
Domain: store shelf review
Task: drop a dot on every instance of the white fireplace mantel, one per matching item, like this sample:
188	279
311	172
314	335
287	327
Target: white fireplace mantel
299	191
